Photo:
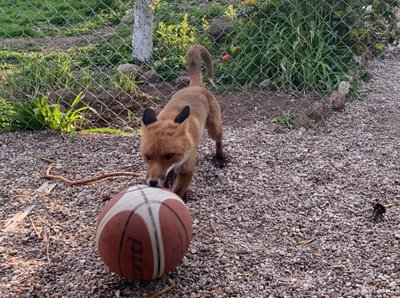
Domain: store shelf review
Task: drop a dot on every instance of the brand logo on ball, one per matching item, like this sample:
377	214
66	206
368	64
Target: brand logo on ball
137	258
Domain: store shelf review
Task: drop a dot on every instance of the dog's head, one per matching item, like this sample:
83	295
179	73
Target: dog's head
165	145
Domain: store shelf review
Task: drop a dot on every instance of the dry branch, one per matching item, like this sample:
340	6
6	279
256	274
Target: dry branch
88	180
166	289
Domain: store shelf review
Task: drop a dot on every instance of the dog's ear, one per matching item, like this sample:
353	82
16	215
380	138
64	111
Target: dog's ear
149	116
183	115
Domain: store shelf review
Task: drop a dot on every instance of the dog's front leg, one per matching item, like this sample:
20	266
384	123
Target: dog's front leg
183	177
182	183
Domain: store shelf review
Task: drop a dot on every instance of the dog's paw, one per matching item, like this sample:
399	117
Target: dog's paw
219	161
188	196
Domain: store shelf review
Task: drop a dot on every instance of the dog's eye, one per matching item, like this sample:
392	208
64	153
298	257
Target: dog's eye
168	156
147	157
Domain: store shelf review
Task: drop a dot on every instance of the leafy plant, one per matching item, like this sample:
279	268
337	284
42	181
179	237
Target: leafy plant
171	42
295	48
366	24
126	83
38	113
6	112
286	119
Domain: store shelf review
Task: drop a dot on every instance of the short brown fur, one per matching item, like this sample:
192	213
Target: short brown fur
168	144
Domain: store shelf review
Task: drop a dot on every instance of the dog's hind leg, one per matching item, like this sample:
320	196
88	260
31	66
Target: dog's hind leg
214	129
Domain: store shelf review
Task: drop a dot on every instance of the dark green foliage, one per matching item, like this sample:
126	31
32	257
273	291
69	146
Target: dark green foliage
292	44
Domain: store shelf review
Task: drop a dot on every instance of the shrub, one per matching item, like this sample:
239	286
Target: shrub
366	24
37	114
171	42
292	44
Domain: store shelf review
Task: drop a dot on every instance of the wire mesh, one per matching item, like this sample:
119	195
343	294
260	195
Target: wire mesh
70	65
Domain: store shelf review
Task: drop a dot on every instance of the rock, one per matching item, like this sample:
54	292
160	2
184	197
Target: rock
319	111
182	81
344	87
220	27
127	19
392	285
151	76
264	84
275	128
337	101
129	69
301	120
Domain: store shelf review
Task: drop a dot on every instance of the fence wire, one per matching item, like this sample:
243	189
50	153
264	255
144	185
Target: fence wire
70	65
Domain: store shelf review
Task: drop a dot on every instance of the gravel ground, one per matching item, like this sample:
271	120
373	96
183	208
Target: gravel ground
291	210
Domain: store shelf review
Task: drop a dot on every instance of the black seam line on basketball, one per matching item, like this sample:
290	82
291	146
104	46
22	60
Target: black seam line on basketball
121	241
179	218
153	222
139	188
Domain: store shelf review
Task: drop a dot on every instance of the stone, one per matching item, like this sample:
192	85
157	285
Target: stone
220	27
337	101
151	76
265	83
319	111
275	128
129	69
127	19
182	81
301	120
344	87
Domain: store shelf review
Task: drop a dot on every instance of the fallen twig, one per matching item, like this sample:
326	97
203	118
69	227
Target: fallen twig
213	227
88	180
305	242
46	231
166	289
260	224
336	168
47	159
34	227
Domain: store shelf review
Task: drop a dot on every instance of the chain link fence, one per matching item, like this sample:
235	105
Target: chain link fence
70	65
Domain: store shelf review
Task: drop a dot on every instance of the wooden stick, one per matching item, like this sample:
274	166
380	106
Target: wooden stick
166	289
305	242
88	180
260	224
213	227
47	159
34	227
47	243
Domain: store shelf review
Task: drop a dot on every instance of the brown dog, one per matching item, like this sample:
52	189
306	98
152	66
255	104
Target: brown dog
169	142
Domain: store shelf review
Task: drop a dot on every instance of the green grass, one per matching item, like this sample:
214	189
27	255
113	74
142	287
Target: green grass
37	18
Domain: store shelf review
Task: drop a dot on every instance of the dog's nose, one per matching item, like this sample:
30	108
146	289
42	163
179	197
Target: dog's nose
153	182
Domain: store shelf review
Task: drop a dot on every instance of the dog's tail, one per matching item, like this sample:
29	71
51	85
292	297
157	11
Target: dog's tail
194	56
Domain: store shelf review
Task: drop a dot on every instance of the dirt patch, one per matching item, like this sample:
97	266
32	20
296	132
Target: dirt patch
56	44
123	110
241	108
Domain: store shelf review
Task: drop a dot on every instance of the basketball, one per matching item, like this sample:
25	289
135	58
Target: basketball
143	232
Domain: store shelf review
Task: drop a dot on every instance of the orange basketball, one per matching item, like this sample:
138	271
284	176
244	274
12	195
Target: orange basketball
143	232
